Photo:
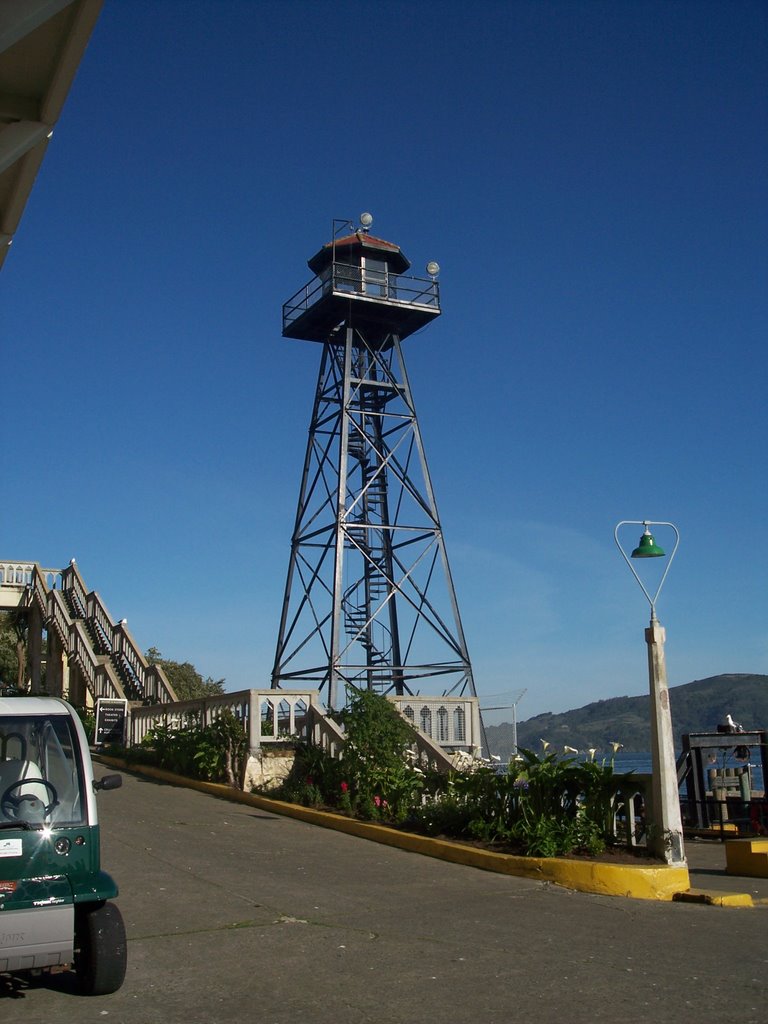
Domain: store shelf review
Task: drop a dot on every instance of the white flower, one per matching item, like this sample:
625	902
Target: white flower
616	746
570	750
544	745
592	752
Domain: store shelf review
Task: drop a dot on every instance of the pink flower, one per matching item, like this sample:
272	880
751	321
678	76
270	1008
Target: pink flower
377	801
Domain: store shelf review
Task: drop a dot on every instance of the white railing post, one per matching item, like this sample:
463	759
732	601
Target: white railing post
254	722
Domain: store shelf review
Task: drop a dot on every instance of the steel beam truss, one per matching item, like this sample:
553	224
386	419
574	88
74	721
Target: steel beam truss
369	599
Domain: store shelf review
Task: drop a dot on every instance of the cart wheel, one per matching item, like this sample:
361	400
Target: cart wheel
101	955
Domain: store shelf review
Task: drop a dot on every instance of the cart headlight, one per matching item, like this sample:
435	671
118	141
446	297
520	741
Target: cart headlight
62	846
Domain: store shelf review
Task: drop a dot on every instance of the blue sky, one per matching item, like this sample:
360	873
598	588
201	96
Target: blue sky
591	178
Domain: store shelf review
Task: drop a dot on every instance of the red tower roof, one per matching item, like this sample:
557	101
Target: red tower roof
363	243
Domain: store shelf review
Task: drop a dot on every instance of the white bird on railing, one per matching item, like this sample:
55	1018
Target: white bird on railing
733	725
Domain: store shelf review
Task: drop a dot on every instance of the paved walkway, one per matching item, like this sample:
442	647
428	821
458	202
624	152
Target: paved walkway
706	867
234	913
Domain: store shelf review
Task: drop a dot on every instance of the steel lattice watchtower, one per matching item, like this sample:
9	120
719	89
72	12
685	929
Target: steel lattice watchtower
369	598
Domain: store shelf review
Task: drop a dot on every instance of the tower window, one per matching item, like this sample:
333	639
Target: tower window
375	277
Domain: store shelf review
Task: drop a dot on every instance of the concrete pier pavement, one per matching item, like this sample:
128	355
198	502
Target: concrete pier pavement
234	913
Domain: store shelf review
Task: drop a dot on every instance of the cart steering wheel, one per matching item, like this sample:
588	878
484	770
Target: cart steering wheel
11	805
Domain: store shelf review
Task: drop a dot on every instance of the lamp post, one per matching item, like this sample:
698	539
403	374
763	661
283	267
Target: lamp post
666	833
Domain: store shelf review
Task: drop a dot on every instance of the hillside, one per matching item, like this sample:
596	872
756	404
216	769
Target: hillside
696	707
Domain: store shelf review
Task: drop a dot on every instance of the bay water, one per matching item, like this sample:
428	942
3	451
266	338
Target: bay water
640	763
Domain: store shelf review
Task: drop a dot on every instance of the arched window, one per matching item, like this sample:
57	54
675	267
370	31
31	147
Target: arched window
425	720
459	725
300	717
267	715
409	713
442	725
283	719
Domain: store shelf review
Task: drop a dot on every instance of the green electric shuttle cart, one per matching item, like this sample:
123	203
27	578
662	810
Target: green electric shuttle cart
55	908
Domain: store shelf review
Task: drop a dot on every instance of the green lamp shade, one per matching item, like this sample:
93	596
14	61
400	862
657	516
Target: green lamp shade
648	548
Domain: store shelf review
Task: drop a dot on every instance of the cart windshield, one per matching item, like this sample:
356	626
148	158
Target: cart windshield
41	774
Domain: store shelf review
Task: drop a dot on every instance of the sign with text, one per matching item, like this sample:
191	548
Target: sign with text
110	720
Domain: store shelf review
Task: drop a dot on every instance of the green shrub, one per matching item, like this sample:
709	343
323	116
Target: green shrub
372	779
215	752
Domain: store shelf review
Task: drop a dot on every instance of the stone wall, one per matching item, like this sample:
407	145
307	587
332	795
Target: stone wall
269	768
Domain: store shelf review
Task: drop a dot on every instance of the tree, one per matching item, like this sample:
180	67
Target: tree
20	626
374	759
184	677
9	662
13	648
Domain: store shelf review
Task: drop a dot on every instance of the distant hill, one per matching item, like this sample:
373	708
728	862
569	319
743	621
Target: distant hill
696	707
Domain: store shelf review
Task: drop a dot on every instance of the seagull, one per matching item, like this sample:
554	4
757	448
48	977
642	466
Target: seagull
733	725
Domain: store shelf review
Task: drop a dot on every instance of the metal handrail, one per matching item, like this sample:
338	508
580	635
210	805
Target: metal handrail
348	279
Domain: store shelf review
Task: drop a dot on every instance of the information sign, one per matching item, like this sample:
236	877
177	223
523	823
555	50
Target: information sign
110	720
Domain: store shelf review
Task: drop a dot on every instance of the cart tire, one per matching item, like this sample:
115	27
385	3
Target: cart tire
101	953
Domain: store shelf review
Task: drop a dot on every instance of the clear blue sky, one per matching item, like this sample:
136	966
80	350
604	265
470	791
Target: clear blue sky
591	177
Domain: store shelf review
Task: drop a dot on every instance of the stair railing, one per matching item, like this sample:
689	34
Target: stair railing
142	680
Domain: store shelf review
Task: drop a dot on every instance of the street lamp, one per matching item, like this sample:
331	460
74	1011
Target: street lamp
666	834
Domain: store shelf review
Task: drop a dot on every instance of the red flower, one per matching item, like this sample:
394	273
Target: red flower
344	787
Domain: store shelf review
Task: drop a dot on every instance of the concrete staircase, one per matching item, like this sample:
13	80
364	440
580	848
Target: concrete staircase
89	654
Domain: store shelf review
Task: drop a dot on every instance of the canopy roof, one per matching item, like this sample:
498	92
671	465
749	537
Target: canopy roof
41	45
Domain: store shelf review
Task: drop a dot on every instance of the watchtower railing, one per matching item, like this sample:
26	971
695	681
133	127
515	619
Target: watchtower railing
365	283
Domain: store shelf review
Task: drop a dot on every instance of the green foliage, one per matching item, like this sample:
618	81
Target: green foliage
215	752
13	650
88	718
9	664
315	780
184	677
373	779
376	770
543	806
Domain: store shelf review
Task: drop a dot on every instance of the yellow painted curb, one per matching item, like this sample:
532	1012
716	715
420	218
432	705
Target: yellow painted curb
644	883
713	898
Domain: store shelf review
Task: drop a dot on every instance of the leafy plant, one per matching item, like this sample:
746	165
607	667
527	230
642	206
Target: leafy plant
373	778
187	682
88	718
544	805
216	752
381	782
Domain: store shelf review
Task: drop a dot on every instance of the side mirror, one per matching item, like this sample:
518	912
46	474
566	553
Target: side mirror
108	782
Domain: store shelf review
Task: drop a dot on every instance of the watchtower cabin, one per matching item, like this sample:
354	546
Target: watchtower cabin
360	282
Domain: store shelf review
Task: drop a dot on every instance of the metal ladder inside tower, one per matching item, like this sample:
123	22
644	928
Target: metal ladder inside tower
363	597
